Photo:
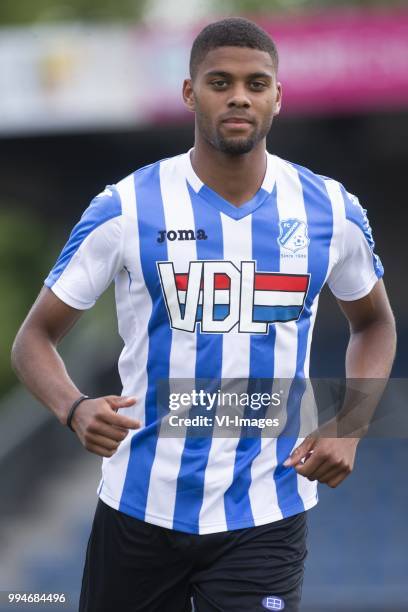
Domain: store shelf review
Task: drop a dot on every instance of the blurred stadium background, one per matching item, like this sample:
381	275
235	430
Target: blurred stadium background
89	91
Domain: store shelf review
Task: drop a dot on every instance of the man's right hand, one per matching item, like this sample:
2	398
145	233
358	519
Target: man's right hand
98	425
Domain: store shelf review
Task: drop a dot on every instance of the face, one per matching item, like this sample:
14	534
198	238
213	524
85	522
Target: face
235	96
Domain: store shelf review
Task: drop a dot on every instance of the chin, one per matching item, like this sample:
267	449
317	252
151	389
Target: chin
235	146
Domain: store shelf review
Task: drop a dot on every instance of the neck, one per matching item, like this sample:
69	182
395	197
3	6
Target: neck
236	178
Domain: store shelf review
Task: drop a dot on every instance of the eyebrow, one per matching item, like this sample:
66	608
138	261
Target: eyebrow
254	75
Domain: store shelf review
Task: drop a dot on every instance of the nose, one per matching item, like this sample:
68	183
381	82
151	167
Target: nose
239	98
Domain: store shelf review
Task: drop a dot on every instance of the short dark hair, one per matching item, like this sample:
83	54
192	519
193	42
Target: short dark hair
231	32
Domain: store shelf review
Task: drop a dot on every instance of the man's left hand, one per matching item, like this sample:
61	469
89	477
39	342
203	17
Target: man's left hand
326	459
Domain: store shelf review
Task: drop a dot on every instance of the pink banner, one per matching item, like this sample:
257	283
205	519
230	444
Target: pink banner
333	61
343	61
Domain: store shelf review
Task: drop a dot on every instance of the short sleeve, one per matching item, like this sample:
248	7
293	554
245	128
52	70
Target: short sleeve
358	267
93	254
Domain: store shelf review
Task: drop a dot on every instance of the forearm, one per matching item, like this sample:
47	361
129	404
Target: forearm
41	369
369	359
371	351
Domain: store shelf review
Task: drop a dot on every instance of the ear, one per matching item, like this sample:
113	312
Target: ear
188	95
278	99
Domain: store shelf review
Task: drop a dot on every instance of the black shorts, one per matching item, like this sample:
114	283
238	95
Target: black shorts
133	566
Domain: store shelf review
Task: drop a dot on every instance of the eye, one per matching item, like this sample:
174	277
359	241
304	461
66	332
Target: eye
258	85
219	84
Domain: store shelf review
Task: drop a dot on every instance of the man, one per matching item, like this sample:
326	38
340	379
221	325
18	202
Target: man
218	257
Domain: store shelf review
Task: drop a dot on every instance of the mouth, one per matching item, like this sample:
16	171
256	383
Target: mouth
237	123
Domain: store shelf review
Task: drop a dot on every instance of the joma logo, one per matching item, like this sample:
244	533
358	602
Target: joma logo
181	234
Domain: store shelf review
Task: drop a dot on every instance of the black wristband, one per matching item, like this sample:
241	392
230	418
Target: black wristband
73	408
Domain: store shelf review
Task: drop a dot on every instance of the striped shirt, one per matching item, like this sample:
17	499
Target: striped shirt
208	290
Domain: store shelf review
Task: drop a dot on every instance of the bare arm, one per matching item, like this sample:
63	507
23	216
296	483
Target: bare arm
370	354
35	358
371	349
39	366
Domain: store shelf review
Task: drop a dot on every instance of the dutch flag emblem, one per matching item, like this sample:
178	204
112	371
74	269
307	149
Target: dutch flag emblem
276	297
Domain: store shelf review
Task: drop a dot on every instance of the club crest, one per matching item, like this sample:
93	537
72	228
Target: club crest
293	235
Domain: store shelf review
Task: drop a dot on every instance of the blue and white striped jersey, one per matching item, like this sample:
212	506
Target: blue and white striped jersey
208	290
